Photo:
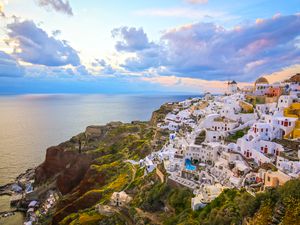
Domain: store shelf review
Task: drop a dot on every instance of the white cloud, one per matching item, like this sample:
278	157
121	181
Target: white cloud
191	84
181	13
197	1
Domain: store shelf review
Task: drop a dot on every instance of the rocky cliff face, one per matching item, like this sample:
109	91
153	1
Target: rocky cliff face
91	166
66	166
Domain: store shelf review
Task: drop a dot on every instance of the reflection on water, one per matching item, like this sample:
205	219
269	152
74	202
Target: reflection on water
13	220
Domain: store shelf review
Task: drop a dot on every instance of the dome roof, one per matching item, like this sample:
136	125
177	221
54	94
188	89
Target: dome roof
261	80
295	78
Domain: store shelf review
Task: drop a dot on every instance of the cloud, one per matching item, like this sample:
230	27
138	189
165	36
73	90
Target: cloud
55	33
105	68
283	74
197	1
9	67
82	70
184	13
58	5
191	84
132	39
33	45
210	51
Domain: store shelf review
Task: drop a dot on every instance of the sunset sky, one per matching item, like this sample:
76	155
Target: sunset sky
145	46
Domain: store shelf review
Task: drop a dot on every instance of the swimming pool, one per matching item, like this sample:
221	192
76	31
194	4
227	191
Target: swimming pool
189	166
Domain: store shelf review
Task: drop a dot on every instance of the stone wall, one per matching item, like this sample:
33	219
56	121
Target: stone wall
160	175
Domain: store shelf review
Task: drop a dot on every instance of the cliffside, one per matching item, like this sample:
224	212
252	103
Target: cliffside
66	166
91	166
160	114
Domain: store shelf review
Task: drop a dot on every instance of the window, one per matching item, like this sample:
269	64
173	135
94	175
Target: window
269	179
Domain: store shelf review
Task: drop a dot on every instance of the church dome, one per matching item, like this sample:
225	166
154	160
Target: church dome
261	80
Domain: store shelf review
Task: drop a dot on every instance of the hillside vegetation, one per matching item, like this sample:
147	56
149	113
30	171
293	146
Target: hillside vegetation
153	202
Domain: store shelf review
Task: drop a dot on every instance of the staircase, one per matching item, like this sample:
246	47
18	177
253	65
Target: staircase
200	138
278	214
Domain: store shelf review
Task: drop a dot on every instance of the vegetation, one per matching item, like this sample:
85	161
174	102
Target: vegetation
156	202
238	207
159	115
109	173
234	137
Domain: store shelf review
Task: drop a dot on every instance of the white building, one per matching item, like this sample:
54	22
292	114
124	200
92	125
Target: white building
206	195
120	199
150	166
208	96
261	86
289	167
206	152
232	87
218	123
285	101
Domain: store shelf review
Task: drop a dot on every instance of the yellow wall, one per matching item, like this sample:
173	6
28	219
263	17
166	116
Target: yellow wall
294	112
274	179
247	107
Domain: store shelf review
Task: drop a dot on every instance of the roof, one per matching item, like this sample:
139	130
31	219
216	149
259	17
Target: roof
232	82
241	166
261	80
32	204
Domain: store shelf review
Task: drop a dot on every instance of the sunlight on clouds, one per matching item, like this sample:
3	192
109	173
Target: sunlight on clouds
181	13
283	74
192	84
259	21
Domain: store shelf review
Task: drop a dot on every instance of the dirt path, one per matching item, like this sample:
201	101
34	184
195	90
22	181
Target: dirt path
133	176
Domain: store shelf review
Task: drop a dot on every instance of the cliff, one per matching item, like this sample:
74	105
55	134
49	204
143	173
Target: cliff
67	167
159	115
89	167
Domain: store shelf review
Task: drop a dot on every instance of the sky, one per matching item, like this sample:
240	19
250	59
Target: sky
142	46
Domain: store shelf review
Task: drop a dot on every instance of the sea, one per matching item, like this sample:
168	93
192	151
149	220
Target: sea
31	123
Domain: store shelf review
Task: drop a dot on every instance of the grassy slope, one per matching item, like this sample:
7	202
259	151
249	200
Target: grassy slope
158	203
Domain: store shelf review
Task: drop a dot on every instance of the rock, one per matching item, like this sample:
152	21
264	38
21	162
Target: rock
67	166
94	131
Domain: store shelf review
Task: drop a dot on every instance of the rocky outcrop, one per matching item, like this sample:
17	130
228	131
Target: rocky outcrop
89	167
67	166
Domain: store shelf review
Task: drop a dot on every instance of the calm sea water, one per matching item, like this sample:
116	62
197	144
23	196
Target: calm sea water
31	123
